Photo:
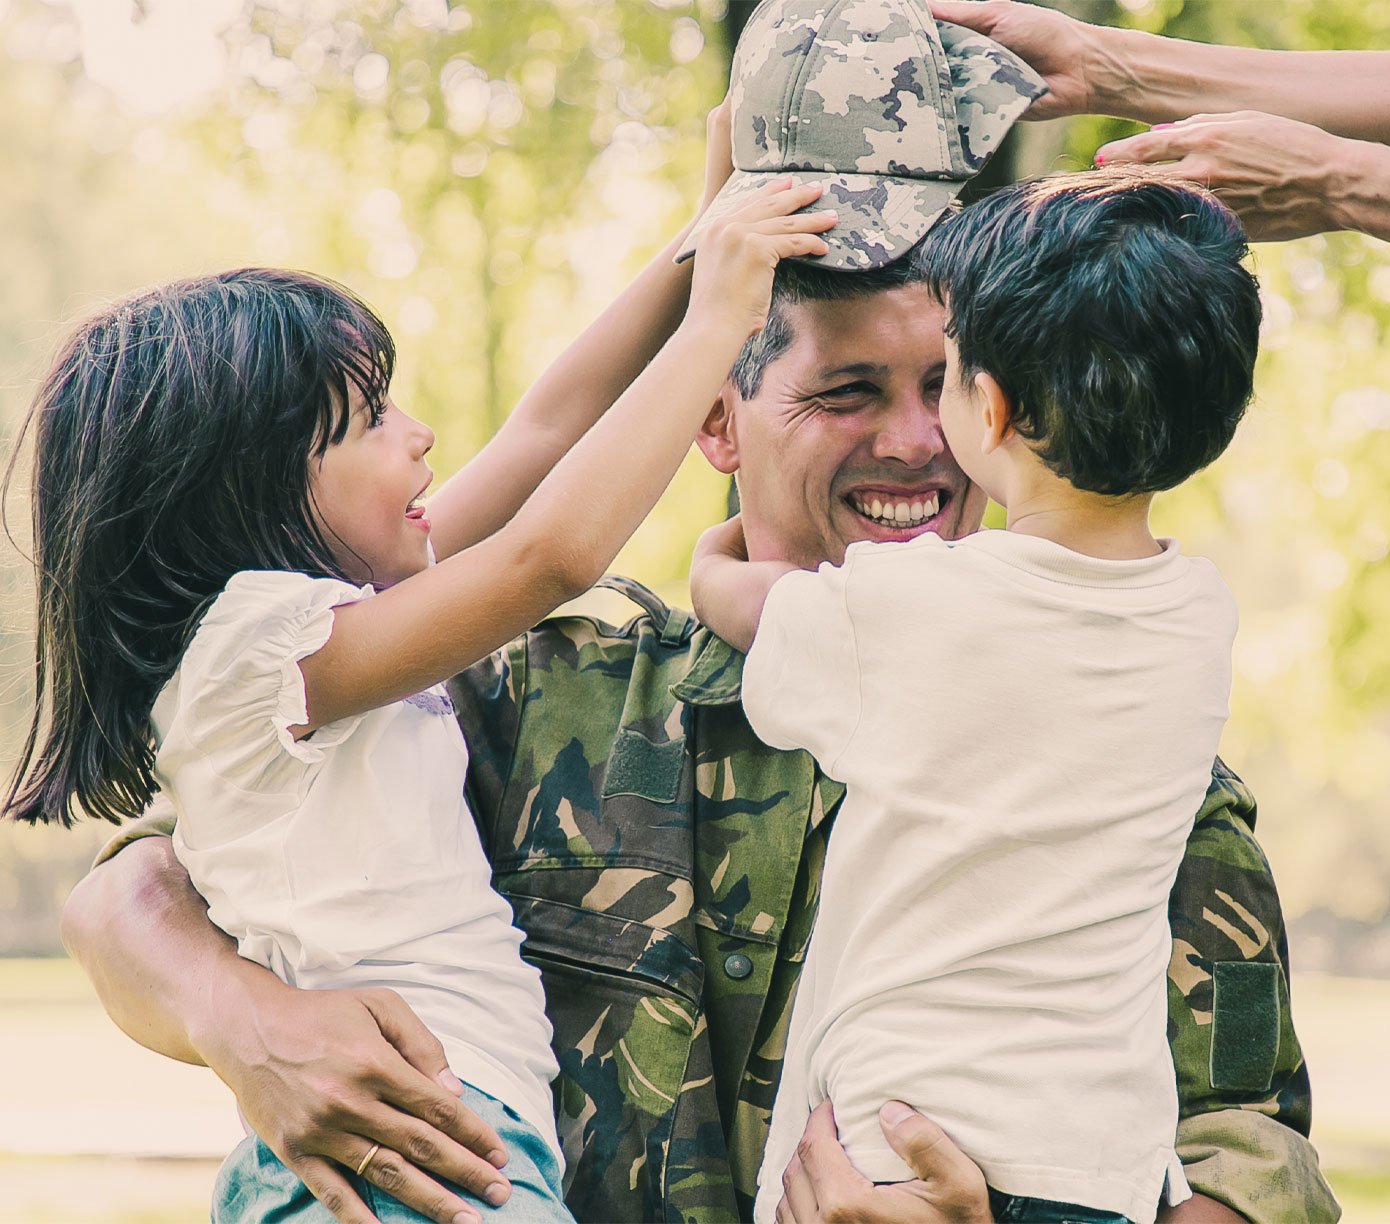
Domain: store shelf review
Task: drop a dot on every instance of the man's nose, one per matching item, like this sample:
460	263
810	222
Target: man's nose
910	432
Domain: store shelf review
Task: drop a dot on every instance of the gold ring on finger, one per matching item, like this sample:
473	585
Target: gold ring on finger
367	1159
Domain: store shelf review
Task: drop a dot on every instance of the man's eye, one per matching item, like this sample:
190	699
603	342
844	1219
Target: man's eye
845	396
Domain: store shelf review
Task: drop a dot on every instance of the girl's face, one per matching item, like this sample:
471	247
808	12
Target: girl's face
367	491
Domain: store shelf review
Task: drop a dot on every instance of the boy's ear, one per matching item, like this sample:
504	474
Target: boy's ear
718	438
996	410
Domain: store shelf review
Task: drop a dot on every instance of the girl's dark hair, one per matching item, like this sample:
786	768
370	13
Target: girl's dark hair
1113	309
173	440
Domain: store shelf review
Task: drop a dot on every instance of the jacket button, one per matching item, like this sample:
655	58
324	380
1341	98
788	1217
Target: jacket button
738	966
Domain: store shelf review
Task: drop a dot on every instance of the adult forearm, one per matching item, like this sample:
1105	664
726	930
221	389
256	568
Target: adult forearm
1153	79
1362	194
142	934
320	1076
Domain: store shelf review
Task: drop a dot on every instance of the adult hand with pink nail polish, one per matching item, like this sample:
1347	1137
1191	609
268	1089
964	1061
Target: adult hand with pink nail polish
1284	179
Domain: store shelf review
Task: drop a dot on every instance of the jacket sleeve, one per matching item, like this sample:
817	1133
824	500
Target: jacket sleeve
158	821
1243	1091
488	698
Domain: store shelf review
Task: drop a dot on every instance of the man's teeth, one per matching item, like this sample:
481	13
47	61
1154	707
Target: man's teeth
898	514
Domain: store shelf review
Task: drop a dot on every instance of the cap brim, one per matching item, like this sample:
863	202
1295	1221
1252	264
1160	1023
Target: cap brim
880	217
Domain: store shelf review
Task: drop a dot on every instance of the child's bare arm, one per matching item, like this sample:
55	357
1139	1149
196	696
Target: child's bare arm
578	387
727	589
435	623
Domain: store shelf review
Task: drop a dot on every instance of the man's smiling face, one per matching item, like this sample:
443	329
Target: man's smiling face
842	440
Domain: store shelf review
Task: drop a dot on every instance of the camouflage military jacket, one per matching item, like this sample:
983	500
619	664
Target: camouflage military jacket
664	865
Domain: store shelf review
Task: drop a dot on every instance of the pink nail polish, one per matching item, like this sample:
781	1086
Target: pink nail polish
1100	161
1158	127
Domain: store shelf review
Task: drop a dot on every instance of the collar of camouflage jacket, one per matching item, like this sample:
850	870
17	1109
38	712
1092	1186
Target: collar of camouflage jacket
716	675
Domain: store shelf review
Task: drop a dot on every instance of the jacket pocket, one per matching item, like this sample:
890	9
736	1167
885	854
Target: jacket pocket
623	1001
626	953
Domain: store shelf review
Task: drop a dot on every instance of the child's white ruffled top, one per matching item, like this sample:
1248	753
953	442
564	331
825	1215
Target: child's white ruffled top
349	858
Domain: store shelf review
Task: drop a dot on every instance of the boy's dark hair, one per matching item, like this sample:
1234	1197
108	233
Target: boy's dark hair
173	438
1113	310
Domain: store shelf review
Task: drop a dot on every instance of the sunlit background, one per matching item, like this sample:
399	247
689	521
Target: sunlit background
488	173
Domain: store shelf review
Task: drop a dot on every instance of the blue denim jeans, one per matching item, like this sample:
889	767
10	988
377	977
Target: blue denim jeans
254	1187
1015	1209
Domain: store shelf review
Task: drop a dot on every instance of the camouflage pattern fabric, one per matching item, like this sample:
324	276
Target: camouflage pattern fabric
892	112
664	865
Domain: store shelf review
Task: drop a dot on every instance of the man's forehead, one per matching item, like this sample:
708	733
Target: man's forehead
891	328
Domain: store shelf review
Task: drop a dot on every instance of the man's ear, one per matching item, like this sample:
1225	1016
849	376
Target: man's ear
718	438
996	410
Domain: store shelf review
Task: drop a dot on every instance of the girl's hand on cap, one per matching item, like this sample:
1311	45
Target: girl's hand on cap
739	253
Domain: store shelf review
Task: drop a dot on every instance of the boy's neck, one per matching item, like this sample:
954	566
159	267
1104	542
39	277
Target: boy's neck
1093	524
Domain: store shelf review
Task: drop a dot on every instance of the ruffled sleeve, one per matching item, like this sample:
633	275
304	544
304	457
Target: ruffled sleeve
226	715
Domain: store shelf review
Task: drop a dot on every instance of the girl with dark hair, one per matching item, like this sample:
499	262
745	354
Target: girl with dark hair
240	606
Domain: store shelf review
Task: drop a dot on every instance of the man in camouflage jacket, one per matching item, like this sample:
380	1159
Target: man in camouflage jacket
664	863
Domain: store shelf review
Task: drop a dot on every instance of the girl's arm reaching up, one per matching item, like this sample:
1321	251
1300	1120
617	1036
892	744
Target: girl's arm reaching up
727	589
578	387
436	623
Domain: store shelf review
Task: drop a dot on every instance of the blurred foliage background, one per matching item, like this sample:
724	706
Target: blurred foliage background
488	173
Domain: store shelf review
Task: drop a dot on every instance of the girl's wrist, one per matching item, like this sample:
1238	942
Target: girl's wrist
714	334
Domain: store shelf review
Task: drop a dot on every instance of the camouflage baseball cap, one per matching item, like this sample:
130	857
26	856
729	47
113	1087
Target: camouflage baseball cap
894	112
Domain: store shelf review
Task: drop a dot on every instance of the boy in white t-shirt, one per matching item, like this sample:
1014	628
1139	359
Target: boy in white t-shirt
1025	719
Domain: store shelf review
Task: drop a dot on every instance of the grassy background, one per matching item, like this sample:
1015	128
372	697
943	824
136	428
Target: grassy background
95	1130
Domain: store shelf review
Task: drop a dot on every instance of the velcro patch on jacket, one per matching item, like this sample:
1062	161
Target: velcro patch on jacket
1245	1025
637	766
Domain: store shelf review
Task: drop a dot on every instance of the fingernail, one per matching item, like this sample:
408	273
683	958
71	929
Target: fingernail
497	1157
1100	159
497	1193
450	1081
895	1113
1158	127
831	213
468	1217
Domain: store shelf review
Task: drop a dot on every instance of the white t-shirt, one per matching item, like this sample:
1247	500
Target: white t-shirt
349	858
1026	735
